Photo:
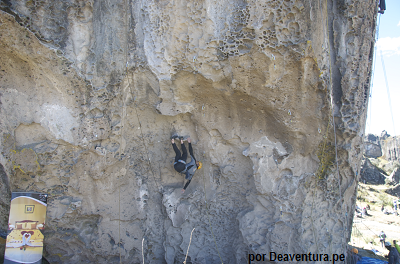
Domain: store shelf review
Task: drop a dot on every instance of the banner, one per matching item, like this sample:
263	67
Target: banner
25	226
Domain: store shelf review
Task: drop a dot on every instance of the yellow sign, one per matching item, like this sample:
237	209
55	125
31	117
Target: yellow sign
26	223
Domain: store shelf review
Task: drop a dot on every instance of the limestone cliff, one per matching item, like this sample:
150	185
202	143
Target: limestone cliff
91	91
390	148
381	161
384	146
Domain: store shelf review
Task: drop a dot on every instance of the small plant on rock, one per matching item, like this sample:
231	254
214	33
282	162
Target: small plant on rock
326	156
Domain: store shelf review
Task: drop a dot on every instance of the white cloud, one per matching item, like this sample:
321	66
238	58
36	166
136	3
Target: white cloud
389	46
398	24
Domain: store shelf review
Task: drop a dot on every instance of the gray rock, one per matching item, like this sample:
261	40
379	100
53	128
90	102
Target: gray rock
372	150
94	89
394	177
371	174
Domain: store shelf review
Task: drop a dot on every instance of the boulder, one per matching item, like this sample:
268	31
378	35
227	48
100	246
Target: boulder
371	174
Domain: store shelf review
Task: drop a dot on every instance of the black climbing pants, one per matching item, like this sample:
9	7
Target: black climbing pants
178	164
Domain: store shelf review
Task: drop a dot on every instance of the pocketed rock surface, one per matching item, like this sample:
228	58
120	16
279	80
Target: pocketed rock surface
91	92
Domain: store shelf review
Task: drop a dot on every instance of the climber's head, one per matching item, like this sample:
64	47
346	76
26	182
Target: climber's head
199	165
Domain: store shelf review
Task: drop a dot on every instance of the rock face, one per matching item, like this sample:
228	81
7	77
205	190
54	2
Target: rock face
371	174
394	177
384	146
372	150
91	91
391	148
381	162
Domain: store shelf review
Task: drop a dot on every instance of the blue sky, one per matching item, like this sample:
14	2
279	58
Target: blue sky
379	115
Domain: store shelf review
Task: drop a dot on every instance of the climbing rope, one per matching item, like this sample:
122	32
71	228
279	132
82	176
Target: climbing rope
332	104
208	215
328	46
367	227
122	136
390	103
190	241
373	72
315	188
311	216
145	147
142	250
136	112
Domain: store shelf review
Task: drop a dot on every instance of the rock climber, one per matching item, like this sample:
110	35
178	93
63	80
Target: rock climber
393	256
180	164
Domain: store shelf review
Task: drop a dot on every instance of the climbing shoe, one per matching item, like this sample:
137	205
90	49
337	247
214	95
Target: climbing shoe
184	138
174	136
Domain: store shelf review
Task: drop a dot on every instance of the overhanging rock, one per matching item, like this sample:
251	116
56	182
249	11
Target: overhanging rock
96	88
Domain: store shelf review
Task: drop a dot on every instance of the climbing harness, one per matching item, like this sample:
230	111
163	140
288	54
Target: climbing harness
181	161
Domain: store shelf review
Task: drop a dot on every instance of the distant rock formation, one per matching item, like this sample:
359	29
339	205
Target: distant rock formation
381	161
394	177
390	149
384	146
371	174
395	191
372	150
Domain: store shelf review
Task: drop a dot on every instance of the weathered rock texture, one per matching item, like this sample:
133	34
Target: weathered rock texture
372	146
384	146
371	173
381	162
91	91
390	149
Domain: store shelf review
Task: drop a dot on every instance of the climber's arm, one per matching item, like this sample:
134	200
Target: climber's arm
186	185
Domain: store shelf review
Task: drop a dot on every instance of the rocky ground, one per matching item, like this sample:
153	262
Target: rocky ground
367	228
379	185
